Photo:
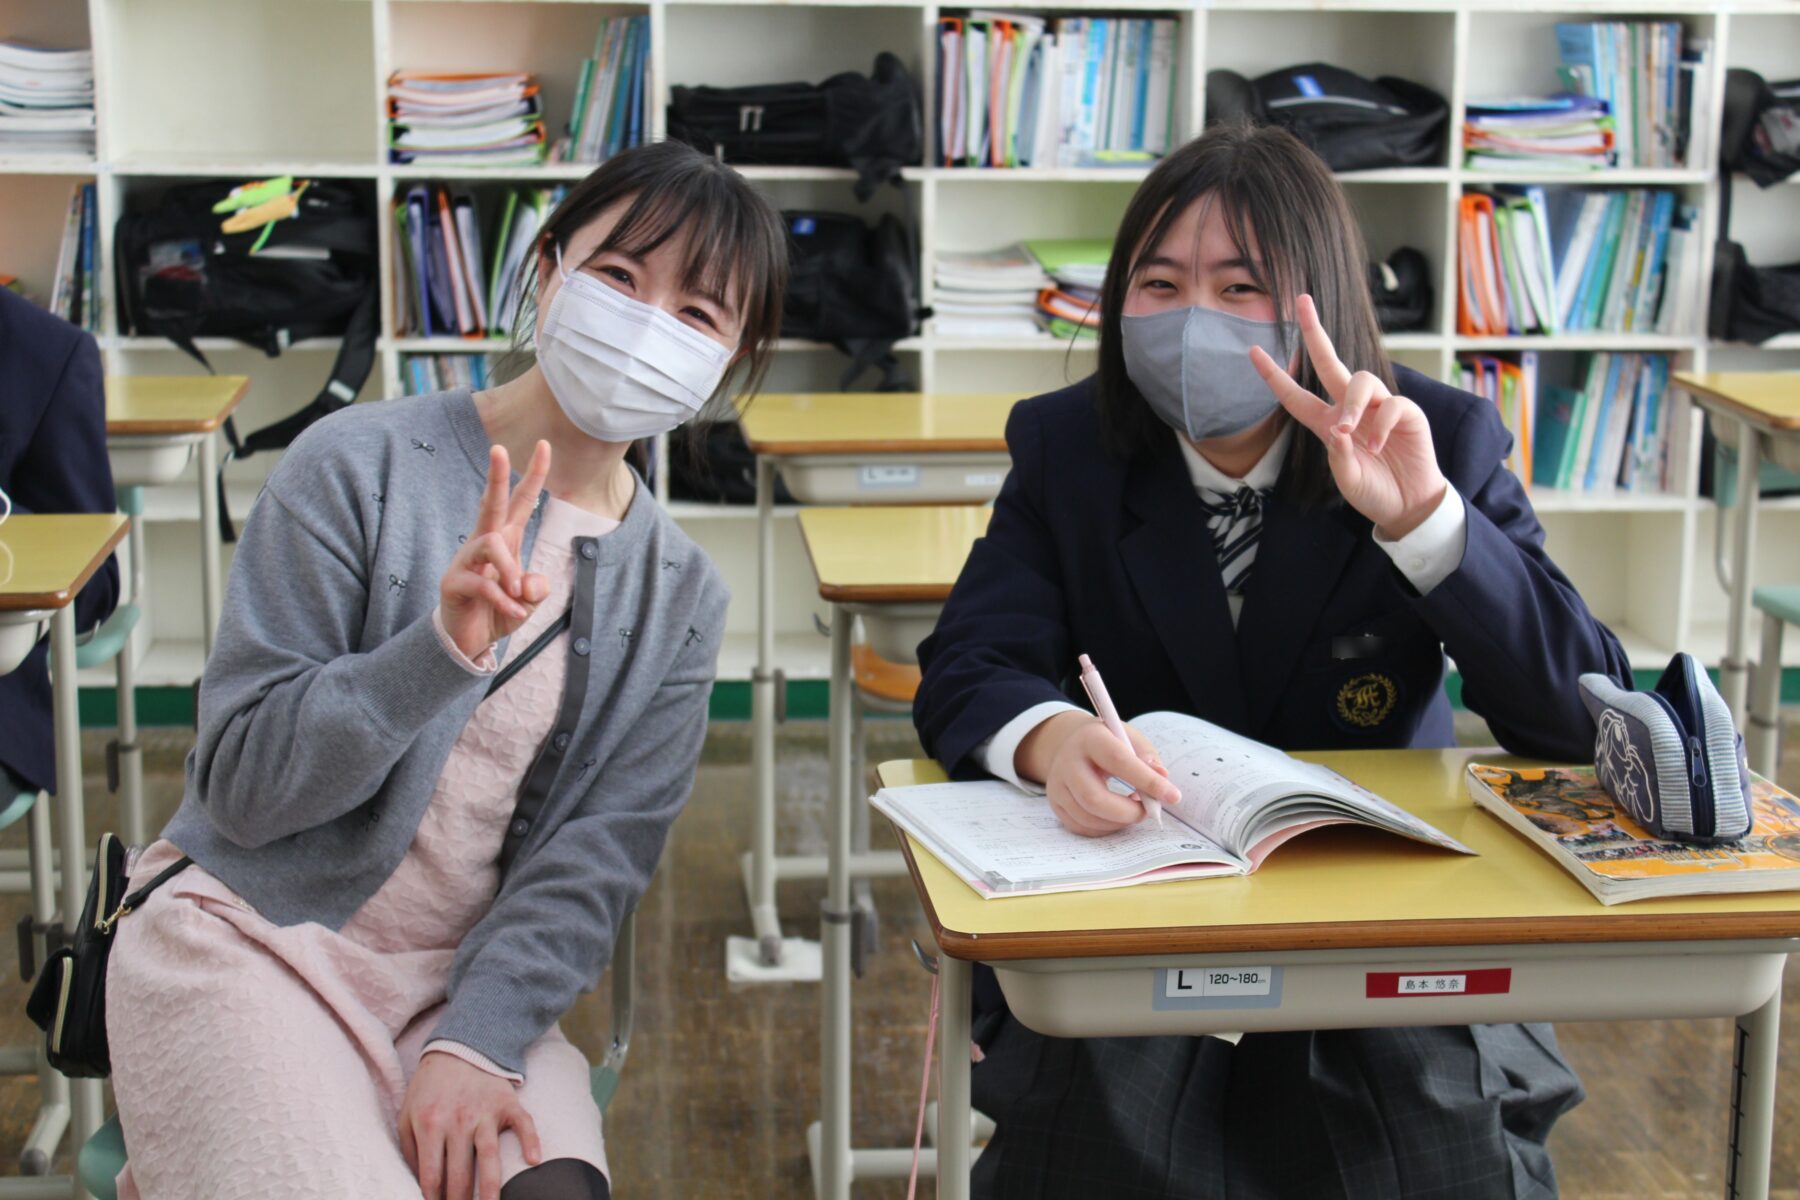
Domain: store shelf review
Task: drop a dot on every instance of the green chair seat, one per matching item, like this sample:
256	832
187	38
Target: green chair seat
101	1160
1779	600
17	806
109	639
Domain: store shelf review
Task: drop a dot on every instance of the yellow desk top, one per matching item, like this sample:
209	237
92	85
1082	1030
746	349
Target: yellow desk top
890	555
1339	887
46	558
144	405
875	423
1769	398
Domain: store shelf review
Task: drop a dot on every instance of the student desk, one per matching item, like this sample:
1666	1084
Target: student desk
153	424
45	561
1764	406
893	567
846	448
1331	931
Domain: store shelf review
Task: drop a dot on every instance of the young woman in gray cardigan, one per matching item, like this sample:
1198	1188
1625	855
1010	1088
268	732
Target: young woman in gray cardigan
404	874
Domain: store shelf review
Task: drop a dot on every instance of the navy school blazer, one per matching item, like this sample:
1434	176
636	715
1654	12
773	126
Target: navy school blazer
52	460
1334	649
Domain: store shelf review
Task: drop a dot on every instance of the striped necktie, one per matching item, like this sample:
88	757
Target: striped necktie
1235	519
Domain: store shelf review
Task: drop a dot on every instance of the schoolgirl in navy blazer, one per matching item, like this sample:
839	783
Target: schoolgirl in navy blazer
1392	534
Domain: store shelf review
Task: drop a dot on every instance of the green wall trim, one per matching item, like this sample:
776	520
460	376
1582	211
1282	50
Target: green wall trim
808	700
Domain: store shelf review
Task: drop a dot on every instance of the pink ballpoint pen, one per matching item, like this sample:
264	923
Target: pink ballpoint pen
1103	706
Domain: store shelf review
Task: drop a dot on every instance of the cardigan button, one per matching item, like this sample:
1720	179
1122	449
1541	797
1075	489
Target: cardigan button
589	550
582	646
561	741
520	827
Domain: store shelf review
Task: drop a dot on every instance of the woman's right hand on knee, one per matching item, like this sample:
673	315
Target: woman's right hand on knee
450	1126
1074	754
485	594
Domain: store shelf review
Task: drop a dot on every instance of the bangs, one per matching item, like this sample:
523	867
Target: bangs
701	218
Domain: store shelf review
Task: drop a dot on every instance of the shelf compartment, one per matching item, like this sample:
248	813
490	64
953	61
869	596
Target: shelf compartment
211	83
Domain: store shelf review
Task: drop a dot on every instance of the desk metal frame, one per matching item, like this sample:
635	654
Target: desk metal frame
763	866
1761	735
1321	989
211	572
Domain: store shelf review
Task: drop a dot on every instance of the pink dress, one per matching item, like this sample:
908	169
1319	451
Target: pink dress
253	1060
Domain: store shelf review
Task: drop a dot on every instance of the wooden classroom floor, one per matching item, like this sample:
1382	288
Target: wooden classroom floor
721	1083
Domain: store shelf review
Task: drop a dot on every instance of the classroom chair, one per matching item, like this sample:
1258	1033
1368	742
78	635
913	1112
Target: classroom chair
1780	606
103	1157
886	687
53	1088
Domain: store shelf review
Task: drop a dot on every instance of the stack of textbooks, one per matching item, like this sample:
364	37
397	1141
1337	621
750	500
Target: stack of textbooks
988	295
1536	260
1023	91
457	276
72	293
1648	79
1071	307
1562	133
611	103
422	374
46	100
464	120
1617	432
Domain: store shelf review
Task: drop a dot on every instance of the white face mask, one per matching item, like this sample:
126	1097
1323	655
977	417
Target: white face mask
622	369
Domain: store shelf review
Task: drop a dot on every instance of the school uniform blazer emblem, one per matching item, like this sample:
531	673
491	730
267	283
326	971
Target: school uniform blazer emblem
1367	700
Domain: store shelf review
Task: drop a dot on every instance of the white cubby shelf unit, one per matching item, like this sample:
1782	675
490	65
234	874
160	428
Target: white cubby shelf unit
240	89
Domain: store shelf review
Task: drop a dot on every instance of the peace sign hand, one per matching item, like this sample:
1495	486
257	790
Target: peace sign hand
485	594
1378	444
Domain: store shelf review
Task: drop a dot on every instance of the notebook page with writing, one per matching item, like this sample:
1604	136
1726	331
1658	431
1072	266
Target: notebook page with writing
1000	840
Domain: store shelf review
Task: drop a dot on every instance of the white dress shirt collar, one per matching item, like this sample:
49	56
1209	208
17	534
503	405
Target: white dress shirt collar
1261	477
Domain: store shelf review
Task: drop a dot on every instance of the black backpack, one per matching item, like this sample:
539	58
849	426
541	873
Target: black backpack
314	275
854	286
1401	289
1749	303
870	123
1353	123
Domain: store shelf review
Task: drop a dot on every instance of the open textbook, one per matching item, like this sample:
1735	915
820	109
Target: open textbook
1565	812
1239	800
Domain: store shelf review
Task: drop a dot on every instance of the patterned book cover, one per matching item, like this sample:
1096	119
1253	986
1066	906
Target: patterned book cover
1570	814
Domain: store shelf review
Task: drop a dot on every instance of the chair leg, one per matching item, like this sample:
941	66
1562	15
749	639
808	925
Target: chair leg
867	929
1764	724
131	751
53	1086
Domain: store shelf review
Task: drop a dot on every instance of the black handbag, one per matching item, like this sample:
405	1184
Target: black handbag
68	1001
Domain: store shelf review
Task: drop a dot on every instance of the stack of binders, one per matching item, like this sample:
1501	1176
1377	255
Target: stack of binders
449	280
1023	91
1550	261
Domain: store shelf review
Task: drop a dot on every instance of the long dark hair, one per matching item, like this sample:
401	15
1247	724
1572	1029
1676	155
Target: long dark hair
1279	199
736	242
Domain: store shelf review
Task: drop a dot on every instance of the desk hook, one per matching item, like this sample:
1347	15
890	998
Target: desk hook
927	961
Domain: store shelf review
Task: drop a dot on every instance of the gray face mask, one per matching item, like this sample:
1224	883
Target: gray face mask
1193	366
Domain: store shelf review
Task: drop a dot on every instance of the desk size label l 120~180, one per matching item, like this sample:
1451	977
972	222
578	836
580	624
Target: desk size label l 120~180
1181	988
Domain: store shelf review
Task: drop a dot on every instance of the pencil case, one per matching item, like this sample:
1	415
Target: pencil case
1671	757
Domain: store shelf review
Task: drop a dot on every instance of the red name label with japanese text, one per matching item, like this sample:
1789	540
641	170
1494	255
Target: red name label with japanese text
1490	981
